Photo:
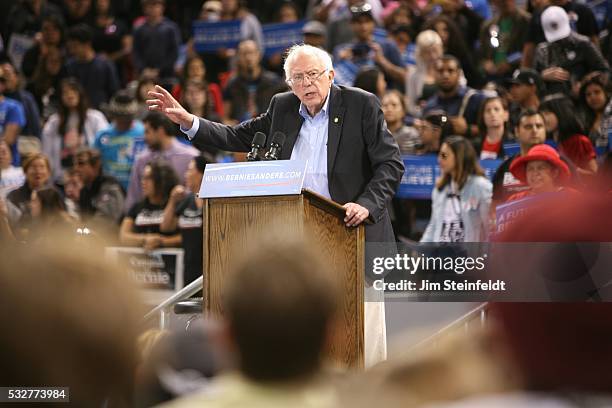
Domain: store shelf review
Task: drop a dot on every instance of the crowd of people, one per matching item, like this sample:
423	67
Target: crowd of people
525	83
460	80
271	347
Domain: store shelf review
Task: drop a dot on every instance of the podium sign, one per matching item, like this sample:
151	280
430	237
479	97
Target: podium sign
263	178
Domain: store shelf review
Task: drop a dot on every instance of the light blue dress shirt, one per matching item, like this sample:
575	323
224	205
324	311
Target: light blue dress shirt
310	146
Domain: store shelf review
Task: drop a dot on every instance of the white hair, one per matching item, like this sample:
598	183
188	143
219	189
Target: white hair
427	39
305	49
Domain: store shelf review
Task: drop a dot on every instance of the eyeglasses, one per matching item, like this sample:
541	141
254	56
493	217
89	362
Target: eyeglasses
298	79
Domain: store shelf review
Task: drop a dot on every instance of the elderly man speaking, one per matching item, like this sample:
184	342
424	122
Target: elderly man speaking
352	157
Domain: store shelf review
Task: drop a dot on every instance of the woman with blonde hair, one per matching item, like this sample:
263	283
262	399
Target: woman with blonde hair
461	197
420	79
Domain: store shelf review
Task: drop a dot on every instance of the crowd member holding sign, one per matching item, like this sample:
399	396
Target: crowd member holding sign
352	157
141	226
184	211
461	197
542	170
231	11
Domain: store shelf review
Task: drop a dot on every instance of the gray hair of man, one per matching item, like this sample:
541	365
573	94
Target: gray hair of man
305	49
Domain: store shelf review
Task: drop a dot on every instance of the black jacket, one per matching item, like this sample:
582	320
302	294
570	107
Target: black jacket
575	54
102	201
363	160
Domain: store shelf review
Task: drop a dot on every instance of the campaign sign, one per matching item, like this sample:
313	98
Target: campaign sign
160	269
511	148
601	10
261	178
380	35
419	177
278	37
345	72
209	37
422	171
506	214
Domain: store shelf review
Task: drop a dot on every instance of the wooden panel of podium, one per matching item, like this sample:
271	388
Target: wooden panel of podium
227	226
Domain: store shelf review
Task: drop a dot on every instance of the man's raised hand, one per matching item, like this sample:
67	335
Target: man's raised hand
162	101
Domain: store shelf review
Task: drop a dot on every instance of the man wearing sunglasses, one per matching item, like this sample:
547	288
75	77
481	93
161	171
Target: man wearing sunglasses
352	157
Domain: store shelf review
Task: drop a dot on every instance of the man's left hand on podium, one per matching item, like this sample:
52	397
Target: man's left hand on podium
355	214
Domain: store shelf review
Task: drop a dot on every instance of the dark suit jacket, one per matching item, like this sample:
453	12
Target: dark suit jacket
363	160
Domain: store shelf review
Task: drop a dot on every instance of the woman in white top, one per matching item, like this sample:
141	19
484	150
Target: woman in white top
73	126
461	197
421	77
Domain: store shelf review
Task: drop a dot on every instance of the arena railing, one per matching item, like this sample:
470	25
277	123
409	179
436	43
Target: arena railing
163	309
478	316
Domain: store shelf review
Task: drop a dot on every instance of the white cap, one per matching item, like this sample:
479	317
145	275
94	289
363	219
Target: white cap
555	24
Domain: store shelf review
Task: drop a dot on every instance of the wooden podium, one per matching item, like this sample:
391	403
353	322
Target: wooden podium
227	222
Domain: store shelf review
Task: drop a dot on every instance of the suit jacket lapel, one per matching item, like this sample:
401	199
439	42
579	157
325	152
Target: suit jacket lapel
334	130
293	124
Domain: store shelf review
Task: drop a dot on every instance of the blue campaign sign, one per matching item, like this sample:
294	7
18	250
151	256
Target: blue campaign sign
379	35
408	57
601	10
260	178
278	37
490	167
209	37
345	72
419	177
511	148
507	214
422	171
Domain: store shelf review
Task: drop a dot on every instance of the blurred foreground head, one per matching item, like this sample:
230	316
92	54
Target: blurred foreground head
68	320
558	347
279	302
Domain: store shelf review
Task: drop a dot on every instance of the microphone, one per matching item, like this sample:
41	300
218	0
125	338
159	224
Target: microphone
276	146
259	142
